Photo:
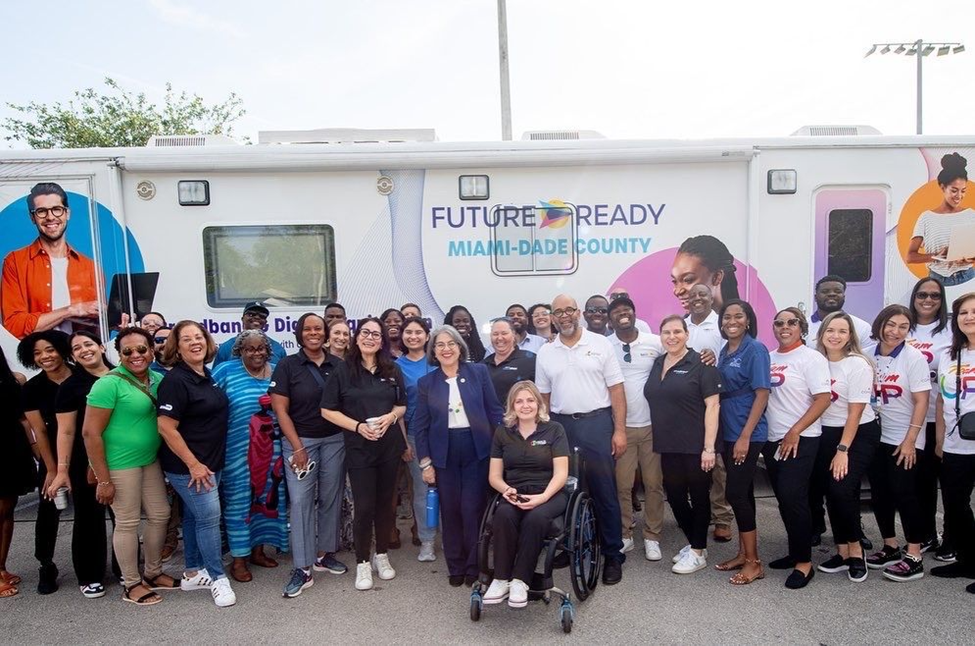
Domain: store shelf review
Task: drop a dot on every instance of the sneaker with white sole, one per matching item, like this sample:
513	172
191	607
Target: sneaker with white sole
328	563
426	552
652	550
627	545
690	563
223	595
679	555
363	576
517	594
200	581
300	581
497	592
380	563
93	591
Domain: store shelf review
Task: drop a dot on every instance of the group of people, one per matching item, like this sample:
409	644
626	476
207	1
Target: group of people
169	433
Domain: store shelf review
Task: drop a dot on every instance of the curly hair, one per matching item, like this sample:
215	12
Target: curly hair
60	340
249	334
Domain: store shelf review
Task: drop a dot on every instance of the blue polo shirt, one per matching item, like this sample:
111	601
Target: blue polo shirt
742	372
412	371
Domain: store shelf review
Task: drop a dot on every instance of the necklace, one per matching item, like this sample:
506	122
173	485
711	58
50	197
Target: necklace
260	375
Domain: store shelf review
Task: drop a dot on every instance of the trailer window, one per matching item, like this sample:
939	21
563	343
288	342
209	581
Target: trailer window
534	240
850	244
279	264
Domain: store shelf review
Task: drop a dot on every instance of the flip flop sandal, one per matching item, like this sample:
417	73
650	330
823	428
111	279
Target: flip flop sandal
8	590
10	578
148	599
158	583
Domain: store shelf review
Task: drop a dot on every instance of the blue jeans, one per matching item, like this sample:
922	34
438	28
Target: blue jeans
420	488
329	474
201	525
956	278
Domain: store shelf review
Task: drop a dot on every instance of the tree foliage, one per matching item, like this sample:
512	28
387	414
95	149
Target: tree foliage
118	117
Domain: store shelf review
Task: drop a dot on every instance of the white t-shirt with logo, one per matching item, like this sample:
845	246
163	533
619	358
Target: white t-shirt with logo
797	376
706	335
948	383
643	351
578	378
934	229
897	376
931	346
852	383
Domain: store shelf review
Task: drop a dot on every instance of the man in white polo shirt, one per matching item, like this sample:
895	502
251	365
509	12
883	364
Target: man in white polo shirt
636	352
582	385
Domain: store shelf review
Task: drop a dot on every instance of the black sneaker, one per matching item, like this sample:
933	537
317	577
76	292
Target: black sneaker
856	569
953	571
833	564
945	554
886	556
928	546
612	572
47	582
816	541
907	570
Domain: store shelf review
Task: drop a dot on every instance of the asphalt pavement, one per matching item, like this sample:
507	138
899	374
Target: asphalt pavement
650	605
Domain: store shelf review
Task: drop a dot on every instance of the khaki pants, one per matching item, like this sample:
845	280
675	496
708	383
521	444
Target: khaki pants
137	489
639	450
721	513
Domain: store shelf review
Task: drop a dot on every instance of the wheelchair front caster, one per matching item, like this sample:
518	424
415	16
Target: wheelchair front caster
477	603
566	616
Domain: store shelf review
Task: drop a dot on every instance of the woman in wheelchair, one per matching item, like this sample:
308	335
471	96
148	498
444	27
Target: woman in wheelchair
529	466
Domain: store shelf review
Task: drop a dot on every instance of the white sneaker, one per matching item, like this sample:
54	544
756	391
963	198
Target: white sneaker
627	545
426	552
201	581
363	576
652	549
498	592
223	594
380	563
517	594
679	555
690	563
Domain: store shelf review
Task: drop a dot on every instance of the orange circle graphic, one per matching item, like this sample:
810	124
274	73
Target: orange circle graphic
928	196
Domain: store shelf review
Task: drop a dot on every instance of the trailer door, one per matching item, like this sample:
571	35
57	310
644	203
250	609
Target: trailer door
850	225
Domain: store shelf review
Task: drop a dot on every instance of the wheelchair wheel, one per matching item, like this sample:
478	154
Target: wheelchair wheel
476	604
585	557
566	616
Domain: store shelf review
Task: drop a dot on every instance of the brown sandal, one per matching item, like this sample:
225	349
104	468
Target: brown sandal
9	577
239	571
150	598
725	567
740	579
8	590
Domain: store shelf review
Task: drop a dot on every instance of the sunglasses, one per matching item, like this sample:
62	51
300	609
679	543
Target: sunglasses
159	340
627	355
596	310
613	297
924	296
139	349
789	322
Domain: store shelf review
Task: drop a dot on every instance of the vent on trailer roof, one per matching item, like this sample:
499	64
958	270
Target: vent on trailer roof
560	135
346	136
835	131
184	141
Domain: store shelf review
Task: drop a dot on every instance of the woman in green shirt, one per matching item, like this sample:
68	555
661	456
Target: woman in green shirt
122	441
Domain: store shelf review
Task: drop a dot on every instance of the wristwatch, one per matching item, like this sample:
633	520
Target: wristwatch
842	448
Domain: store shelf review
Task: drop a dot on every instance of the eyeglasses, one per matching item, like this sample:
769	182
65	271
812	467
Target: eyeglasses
56	212
627	356
139	349
445	345
159	340
613	297
596	310
256	315
538	313
371	334
260	350
568	311
924	296
789	322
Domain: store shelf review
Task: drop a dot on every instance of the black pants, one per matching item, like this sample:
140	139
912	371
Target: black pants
688	490
519	536
894	489
843	496
372	489
46	525
957	482
790	482
740	484
89	542
928	475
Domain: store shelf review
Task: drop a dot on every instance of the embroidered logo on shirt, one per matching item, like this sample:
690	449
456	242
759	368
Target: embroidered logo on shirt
510	368
539	442
679	372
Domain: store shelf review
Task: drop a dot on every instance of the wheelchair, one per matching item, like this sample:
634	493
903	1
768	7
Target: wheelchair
572	537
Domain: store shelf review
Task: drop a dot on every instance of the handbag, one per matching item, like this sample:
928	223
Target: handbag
964	424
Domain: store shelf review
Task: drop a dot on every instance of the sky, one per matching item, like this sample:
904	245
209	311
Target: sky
626	69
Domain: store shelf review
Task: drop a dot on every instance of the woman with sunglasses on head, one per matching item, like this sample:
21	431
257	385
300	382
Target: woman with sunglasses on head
122	442
245	378
89	544
460	318
744	366
366	396
902	385
848	443
314	454
931	334
956	373
540	321
193	415
337	338
49	352
800	394
18	474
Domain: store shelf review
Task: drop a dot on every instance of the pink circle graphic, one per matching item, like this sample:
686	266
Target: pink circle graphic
648	283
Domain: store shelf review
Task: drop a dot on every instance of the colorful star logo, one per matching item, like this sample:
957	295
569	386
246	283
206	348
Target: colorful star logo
555	214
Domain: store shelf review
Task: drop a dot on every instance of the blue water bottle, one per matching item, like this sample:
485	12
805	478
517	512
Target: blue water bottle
433	507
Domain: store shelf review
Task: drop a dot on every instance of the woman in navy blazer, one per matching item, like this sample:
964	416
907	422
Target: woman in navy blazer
456	414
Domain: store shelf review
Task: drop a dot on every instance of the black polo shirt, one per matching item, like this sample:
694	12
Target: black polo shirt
369	396
72	397
201	408
528	462
40	394
293	378
677	403
519	366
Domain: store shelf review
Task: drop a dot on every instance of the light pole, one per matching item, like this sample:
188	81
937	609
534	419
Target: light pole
505	87
920	49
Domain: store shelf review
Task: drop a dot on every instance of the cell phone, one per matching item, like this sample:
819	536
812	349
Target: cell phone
520	498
